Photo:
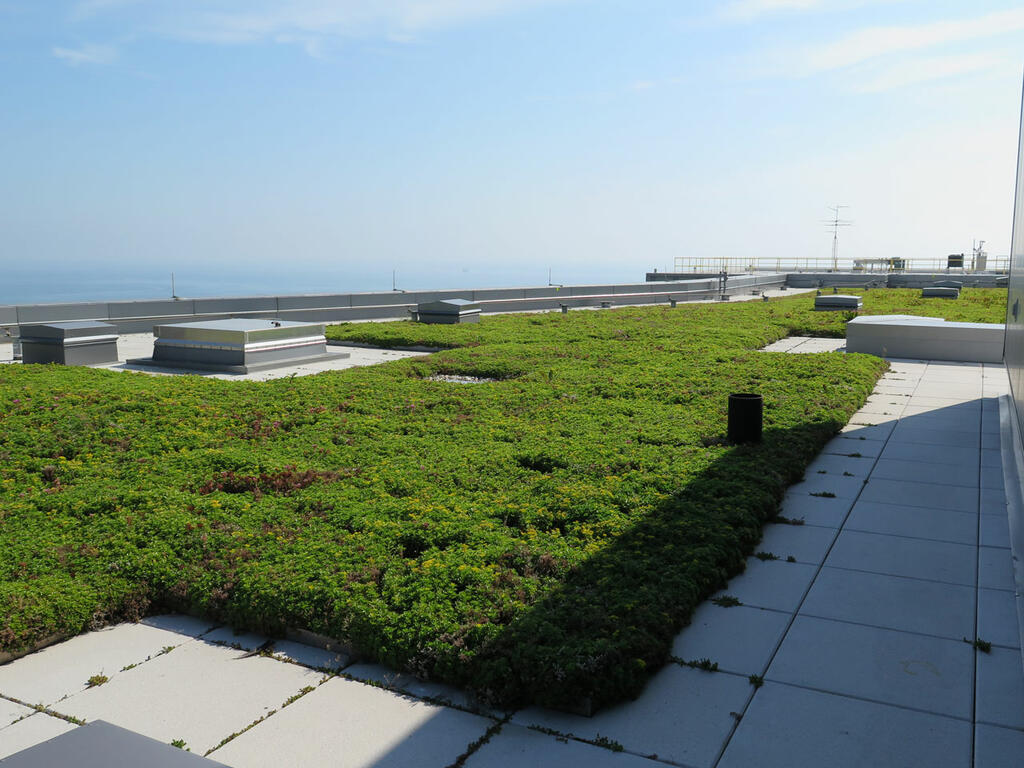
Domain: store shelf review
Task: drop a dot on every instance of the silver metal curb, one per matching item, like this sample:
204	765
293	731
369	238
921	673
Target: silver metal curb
1013	461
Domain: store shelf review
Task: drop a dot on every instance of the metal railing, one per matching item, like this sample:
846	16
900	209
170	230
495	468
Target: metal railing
733	265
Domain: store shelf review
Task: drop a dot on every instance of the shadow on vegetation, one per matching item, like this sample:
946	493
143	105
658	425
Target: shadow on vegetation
619	611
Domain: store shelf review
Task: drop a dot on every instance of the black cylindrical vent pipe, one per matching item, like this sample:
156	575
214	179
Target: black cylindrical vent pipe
745	418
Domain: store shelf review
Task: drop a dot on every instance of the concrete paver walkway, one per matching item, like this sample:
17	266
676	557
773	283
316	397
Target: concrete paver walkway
853	644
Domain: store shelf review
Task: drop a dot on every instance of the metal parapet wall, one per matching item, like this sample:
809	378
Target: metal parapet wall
891	280
141	316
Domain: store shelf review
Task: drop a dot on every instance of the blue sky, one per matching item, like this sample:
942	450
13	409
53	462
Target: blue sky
466	142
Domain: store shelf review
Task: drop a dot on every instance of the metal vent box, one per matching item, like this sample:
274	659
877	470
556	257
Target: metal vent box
76	342
448	311
238	345
938	292
838	302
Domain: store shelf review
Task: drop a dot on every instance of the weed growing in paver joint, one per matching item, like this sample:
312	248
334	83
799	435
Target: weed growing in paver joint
302	692
980	645
726	601
180	744
290	700
756	680
854	455
47	711
847	474
766	556
394	684
707	665
489	734
129	666
604	741
789	520
822	471
236	734
95	680
790	559
166	649
597	741
824	494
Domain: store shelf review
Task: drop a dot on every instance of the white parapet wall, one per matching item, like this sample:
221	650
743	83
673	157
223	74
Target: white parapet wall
925	338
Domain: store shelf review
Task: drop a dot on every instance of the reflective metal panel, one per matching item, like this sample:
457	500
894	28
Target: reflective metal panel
1014	349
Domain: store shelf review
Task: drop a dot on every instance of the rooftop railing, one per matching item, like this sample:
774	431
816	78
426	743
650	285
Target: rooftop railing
959	264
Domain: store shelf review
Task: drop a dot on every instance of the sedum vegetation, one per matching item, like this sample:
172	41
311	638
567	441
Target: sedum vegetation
539	538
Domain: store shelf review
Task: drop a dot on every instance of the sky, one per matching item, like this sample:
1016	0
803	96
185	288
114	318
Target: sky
346	144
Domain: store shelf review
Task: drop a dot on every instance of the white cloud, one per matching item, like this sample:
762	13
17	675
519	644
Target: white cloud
747	10
874	42
87	54
928	68
750	10
243	21
88	8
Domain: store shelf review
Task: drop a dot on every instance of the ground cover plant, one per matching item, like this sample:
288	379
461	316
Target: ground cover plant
540	537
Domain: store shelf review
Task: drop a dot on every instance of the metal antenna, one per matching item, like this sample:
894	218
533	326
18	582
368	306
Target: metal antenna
835	223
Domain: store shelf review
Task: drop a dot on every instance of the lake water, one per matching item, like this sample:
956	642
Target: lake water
20	285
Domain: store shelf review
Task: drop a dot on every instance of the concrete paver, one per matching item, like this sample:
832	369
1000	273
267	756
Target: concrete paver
839	486
910	670
997	617
993	501
965	475
916	494
995	568
348	723
935	436
903	556
854	447
198	692
838	464
11	711
992	477
309	656
1000	688
683	716
739	639
997	747
404	683
873	418
989	441
932	454
816	510
64	669
807	543
518	746
994	531
867	432
893	602
916	522
772	584
33	730
787	726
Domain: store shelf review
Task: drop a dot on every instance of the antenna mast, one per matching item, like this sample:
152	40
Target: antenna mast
834	224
